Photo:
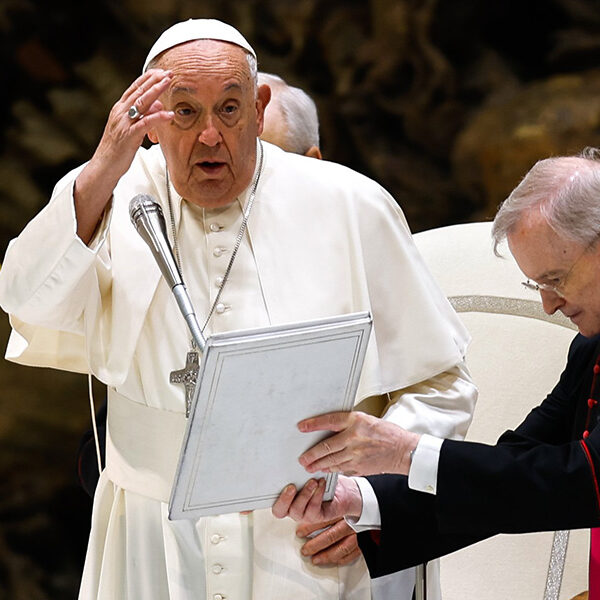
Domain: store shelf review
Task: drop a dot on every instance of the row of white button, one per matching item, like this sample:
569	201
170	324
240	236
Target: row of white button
220	308
215	538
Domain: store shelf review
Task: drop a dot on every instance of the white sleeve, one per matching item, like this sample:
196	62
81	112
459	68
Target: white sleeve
370	518
47	264
442	405
422	475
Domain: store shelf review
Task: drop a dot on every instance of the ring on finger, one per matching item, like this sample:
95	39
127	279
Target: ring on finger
133	113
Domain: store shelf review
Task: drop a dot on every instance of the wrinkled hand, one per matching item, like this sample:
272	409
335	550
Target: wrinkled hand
337	544
122	135
120	141
365	445
307	505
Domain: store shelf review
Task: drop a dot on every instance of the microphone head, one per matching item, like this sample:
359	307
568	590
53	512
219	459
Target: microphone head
144	204
147	218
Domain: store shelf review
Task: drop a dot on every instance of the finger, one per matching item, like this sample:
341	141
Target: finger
146	122
297	508
143	103
305	528
282	505
340	552
314	508
333	443
147	99
330	536
328	422
327	457
326	558
143	83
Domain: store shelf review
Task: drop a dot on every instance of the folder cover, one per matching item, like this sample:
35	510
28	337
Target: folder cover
241	444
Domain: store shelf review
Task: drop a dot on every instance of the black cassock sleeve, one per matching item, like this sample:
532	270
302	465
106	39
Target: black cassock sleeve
539	477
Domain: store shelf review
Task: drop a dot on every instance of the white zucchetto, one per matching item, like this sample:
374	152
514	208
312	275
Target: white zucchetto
197	29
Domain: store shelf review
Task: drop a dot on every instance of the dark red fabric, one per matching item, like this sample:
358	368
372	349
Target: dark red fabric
594	564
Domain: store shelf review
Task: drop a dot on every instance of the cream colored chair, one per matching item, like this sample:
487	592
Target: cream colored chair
516	356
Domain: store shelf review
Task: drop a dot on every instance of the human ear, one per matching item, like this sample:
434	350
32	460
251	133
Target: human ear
263	97
314	152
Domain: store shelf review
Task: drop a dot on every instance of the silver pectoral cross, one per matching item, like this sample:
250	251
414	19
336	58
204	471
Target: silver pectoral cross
188	376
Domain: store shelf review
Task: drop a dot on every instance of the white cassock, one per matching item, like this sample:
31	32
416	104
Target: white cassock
322	240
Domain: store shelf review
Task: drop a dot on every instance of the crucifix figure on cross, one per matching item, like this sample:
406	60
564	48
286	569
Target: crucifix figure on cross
188	376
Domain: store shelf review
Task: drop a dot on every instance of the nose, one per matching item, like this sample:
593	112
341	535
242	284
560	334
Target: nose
210	135
551	301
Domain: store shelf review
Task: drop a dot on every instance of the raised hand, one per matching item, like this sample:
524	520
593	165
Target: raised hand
130	119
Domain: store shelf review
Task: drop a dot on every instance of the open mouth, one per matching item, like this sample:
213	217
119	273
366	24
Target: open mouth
211	167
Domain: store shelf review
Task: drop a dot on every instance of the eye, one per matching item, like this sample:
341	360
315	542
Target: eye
185	116
553	282
229	110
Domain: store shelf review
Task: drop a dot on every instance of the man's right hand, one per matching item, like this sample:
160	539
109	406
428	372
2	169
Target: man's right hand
120	141
307	504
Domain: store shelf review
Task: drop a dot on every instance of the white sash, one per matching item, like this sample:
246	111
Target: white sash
142	446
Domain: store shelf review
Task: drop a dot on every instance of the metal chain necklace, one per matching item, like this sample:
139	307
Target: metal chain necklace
188	376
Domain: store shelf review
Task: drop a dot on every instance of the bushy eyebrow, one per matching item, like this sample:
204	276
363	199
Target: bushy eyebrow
185	90
192	90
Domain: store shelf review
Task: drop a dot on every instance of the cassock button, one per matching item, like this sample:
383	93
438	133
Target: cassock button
217	252
218	597
219	281
216	569
215	227
215	539
221	308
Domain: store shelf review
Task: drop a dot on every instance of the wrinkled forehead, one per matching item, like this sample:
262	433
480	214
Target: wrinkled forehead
538	249
205	55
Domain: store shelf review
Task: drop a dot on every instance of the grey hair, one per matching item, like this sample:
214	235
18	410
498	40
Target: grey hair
565	190
299	113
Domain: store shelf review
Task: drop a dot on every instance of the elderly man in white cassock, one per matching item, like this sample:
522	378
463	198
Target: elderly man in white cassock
263	237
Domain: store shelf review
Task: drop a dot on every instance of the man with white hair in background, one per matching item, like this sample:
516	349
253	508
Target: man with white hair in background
291	120
85	294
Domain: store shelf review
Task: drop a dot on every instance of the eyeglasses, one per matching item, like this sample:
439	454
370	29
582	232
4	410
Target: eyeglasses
560	282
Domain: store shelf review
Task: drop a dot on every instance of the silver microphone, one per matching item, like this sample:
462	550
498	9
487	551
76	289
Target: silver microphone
147	217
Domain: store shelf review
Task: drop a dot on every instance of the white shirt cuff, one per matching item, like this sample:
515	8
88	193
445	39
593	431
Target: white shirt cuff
423	472
370	518
422	477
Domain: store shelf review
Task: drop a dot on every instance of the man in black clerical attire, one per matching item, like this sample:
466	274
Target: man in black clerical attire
541	476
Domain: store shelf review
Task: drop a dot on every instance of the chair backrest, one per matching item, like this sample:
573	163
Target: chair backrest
516	356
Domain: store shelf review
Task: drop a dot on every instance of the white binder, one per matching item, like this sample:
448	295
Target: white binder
241	444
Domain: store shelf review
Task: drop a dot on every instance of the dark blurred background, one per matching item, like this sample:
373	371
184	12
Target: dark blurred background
446	103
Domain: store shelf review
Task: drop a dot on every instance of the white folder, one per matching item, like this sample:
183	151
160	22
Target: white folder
242	444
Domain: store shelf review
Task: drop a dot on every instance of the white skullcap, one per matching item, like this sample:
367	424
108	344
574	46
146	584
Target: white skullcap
197	29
